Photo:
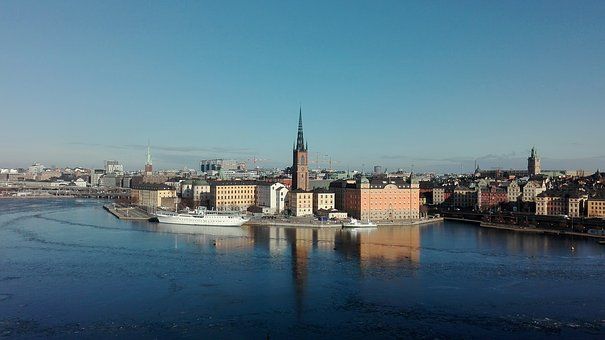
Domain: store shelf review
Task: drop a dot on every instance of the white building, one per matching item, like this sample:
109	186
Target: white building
114	167
271	196
36	168
80	183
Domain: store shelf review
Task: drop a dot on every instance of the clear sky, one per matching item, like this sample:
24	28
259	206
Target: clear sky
436	84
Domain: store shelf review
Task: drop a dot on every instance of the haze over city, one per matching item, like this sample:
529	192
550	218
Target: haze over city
393	84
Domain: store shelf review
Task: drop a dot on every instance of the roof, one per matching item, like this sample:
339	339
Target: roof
152	186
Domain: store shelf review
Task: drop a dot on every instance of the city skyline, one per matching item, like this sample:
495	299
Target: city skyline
378	86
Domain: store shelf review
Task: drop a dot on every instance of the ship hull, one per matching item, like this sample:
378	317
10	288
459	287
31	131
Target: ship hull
219	221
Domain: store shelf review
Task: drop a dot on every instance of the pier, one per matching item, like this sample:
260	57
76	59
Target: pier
127	213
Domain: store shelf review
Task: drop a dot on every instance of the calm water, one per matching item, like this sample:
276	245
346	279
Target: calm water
69	269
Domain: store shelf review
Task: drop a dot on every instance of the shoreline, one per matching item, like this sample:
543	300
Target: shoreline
526	230
291	224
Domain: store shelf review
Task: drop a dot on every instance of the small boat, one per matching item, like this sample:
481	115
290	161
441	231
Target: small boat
354	223
601	242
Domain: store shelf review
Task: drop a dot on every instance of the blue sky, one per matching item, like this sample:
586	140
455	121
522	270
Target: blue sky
436	84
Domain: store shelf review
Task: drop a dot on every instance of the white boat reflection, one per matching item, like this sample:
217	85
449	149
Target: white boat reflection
200	230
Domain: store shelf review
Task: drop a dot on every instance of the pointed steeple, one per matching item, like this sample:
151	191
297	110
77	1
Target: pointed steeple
148	154
300	139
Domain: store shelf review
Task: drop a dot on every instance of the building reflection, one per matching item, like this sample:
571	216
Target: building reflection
384	245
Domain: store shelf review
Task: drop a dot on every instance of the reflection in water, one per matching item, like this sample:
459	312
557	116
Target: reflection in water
384	245
223	238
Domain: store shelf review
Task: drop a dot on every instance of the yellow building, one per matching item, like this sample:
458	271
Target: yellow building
323	200
153	195
232	195
300	203
596	206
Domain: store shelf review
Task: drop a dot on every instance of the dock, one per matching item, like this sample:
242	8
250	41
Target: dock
127	213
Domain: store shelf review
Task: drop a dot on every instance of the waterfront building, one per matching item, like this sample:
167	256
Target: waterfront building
300	168
533	163
300	203
232	195
208	165
561	202
532	189
113	167
80	183
339	188
154	195
271	197
383	199
323	200
333	214
595	205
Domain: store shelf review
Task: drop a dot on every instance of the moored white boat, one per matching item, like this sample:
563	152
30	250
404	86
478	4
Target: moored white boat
201	216
354	223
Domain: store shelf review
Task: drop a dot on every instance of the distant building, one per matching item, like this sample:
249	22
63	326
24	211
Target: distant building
95	177
533	163
35	168
464	197
113	167
218	164
272	197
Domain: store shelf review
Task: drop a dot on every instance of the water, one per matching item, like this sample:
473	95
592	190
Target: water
70	269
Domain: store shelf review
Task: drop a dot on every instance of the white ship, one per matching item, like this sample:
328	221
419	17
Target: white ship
201	216
358	224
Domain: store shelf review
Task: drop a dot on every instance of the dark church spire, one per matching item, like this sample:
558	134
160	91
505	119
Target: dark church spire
300	139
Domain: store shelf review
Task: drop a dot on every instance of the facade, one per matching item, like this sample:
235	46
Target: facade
514	191
300	203
300	165
95	176
114	167
207	165
560	202
441	195
232	195
595	206
532	189
323	200
332	214
533	163
464	197
154	195
198	190
491	197
383	200
272	197
339	187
